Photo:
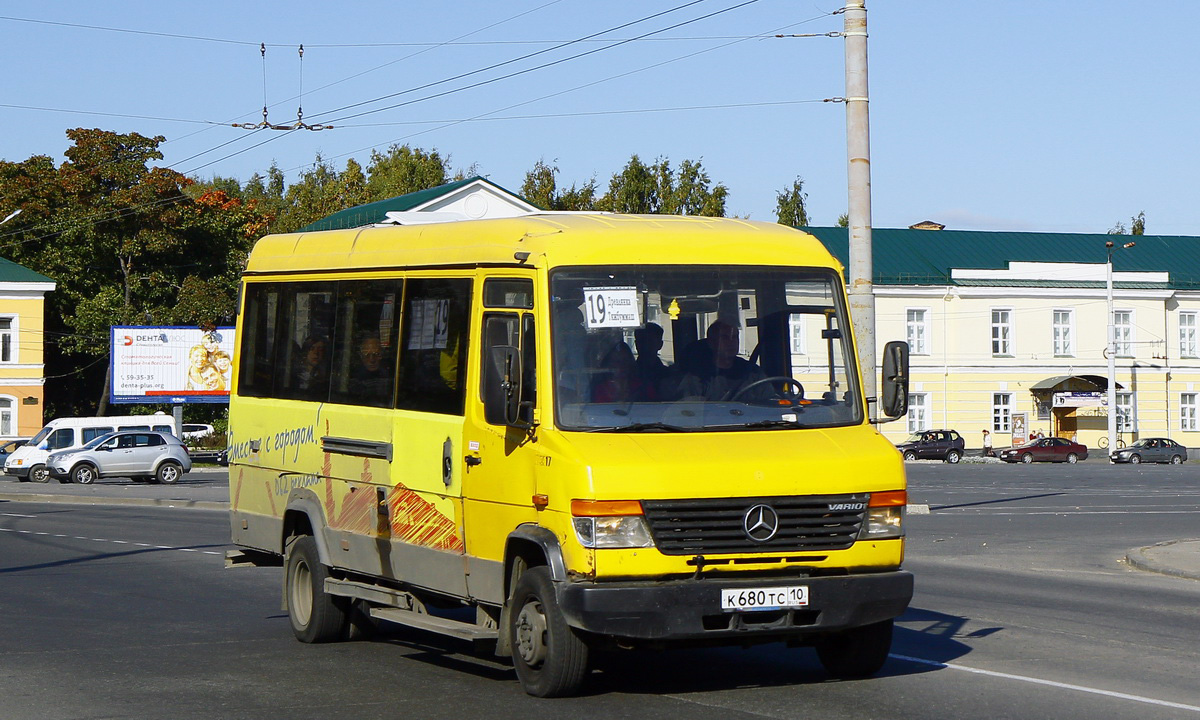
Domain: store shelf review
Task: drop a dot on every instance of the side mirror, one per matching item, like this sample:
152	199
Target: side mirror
894	389
502	399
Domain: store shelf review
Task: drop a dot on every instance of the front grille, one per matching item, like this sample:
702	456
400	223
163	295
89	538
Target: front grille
806	523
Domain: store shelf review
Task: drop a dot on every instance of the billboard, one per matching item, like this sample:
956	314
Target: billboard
170	364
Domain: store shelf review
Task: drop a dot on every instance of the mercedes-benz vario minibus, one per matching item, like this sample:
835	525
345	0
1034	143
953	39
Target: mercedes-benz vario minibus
560	433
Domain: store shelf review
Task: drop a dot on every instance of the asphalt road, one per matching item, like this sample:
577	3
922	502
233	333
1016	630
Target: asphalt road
1023	609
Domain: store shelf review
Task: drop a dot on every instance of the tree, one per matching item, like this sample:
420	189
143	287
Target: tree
402	170
791	207
843	220
540	189
1137	226
641	188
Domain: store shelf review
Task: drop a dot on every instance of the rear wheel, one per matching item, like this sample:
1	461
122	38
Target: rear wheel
1135	459
83	474
1176	460
550	659
39	474
316	616
169	472
1027	458
1072	458
953	456
858	652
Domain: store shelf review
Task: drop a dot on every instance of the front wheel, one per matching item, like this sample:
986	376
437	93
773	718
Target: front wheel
39	474
1072	458
1027	458
858	652
83	474
1135	459
316	616
953	456
550	659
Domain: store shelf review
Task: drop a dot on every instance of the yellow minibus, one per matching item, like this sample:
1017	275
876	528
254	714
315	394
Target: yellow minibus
561	433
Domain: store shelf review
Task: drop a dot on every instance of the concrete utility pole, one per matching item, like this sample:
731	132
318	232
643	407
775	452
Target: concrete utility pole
858	151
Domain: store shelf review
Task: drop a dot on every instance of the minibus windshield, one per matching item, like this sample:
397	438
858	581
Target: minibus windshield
701	348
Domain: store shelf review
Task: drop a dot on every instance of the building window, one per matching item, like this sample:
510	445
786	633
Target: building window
918	330
1123	332
1064	333
1187	411
1187	334
1002	332
1001	412
8	417
8	340
918	412
1125	416
796	331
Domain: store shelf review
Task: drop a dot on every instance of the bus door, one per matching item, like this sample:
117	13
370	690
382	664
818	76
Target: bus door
498	478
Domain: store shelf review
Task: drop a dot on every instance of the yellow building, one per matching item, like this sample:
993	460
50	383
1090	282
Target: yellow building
1008	331
22	365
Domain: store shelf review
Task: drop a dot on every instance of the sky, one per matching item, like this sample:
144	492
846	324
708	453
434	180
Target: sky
1031	116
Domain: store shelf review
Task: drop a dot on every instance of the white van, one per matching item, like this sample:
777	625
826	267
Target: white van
28	462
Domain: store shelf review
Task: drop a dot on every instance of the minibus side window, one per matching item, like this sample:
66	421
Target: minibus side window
91	433
257	371
434	352
366	342
500	330
301	363
61	438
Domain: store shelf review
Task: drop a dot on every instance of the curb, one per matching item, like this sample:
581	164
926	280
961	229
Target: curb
98	500
1138	559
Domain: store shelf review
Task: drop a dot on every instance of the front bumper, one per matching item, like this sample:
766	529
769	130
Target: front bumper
18	471
690	610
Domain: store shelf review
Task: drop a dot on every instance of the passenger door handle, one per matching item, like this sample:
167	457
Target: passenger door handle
473	460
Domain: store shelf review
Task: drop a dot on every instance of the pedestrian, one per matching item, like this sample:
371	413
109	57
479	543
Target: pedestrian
987	444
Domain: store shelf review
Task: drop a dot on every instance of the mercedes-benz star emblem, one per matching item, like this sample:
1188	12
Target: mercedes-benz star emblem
761	522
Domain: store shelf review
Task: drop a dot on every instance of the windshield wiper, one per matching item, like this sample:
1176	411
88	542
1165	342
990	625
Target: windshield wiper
758	424
638	427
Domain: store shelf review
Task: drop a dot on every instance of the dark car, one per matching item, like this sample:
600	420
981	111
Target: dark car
7	446
933	445
1164	450
1051	449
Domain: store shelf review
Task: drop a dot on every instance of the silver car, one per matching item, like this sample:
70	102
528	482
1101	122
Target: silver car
137	454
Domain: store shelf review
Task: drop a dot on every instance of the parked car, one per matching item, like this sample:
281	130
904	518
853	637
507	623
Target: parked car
1051	449
1164	450
7	446
933	445
196	431
157	456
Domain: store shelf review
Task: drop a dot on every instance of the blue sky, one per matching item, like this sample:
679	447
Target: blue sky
1041	116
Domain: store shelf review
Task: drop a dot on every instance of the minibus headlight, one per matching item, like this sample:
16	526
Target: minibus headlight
885	516
610	524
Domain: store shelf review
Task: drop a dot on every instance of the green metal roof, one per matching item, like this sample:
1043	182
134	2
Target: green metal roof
377	211
13	273
926	257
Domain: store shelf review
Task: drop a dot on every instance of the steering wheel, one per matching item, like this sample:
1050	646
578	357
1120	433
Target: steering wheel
799	395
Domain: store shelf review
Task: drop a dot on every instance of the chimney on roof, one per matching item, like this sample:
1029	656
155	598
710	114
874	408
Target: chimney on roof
927	225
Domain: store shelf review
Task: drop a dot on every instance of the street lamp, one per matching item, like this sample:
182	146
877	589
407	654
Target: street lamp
11	215
1112	350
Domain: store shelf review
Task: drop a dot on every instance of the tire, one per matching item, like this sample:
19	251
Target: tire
550	659
1027	458
858	652
910	455
1135	459
953	457
316	616
1072	458
39	474
1176	459
169	472
83	474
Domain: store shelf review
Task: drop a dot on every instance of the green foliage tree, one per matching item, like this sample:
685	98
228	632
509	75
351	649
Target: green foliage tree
541	189
1137	226
791	205
656	188
403	169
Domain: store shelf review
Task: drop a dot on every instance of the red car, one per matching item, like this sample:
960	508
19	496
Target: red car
1051	449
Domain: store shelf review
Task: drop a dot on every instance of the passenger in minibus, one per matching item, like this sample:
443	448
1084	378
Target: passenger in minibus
373	376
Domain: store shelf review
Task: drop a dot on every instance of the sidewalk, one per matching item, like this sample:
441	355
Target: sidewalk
207	488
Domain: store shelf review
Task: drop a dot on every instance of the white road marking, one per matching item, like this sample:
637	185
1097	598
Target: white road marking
17	515
1050	683
106	540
